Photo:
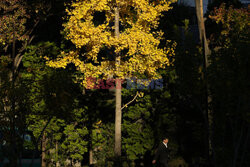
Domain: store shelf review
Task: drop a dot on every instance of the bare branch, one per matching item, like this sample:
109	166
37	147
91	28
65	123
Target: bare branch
130	101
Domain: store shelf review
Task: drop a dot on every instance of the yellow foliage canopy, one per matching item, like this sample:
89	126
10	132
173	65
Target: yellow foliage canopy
137	45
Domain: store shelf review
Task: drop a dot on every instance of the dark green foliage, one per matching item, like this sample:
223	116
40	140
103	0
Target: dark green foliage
229	80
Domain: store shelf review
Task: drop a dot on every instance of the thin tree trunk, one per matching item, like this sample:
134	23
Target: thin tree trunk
37	141
90	157
11	99
91	162
208	114
57	162
90	146
44	143
118	98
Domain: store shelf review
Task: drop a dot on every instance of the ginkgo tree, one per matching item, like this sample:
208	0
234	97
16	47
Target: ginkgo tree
115	39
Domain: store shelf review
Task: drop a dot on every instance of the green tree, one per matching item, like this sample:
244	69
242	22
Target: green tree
53	103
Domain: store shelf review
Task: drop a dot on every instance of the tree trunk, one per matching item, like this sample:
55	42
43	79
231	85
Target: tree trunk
91	162
57	160
90	146
44	142
37	141
208	114
11	101
202	31
118	98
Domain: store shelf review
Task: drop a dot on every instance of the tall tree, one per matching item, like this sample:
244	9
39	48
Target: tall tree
206	52
12	19
18	21
118	93
131	50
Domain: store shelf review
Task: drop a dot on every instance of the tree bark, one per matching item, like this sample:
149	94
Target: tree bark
44	143
91	160
118	98
208	114
11	101
202	31
57	162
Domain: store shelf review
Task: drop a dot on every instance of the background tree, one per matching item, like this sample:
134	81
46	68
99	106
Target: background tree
230	85
18	22
208	115
53	103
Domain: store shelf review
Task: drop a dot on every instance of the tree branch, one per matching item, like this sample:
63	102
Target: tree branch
19	56
130	101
